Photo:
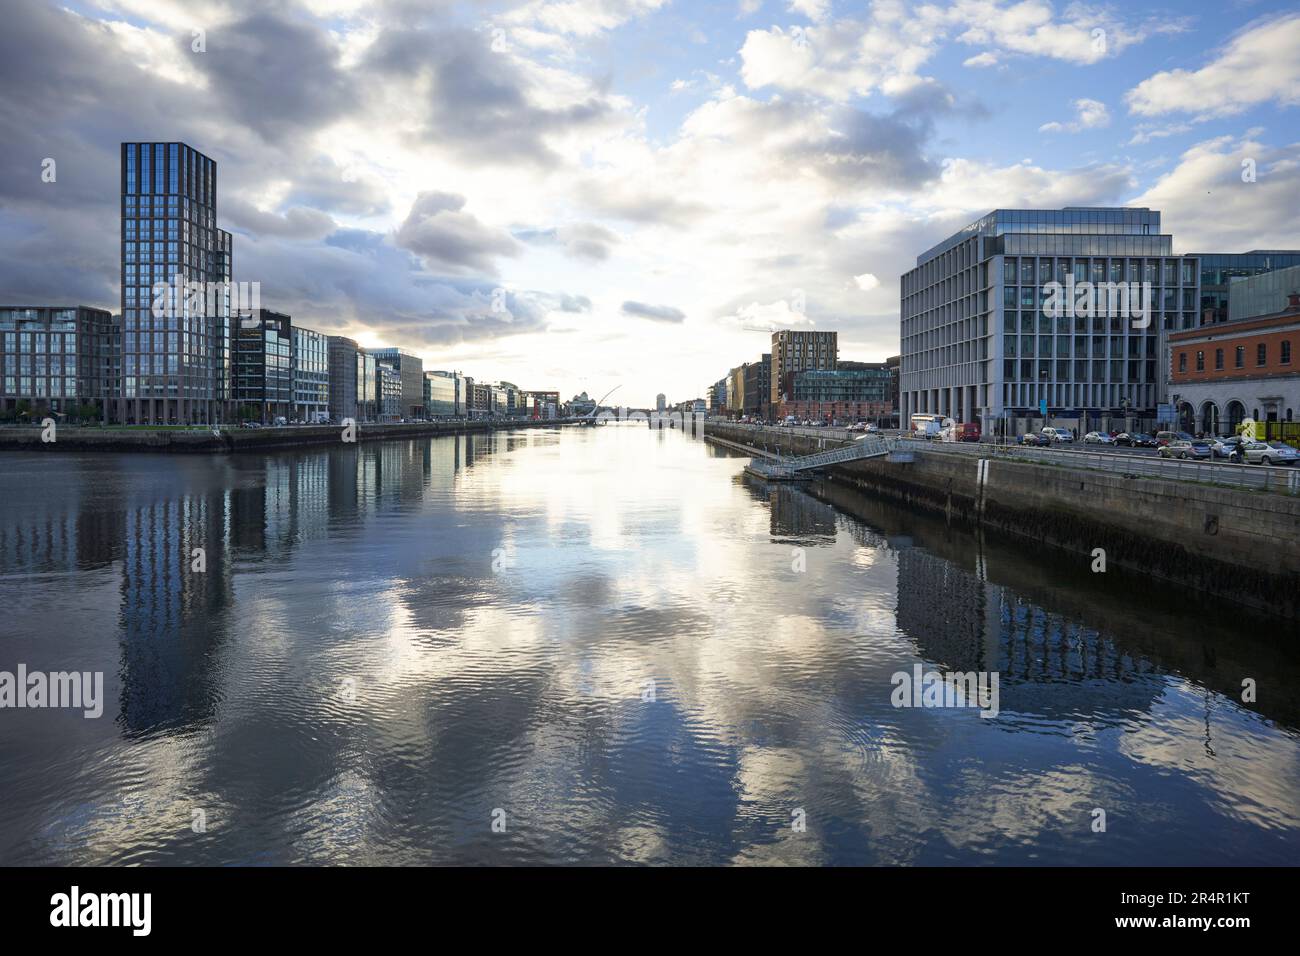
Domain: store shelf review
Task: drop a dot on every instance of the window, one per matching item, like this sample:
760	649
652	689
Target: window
1286	354
1261	354
1218	360
1241	356
1200	361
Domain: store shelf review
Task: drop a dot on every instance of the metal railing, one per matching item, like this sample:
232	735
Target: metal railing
1285	480
1279	479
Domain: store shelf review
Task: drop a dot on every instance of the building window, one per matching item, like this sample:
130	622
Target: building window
1241	356
1200	361
1182	361
1286	353
1261	354
1218	360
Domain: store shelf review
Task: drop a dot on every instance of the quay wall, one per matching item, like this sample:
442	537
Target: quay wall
229	440
1241	545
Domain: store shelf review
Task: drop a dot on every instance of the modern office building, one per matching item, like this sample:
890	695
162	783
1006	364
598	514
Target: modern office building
1226	372
998	326
797	351
757	390
541	404
56	360
352	377
176	289
444	394
311	374
661	402
1219	270
410	367
736	390
263	366
717	397
1265	294
390	398
343	377
368	389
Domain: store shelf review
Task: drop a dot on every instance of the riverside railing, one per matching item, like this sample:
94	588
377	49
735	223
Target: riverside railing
1279	479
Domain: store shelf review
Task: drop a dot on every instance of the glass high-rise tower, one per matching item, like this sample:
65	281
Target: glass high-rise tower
176	297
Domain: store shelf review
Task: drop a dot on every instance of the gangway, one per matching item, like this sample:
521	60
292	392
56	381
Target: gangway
787	469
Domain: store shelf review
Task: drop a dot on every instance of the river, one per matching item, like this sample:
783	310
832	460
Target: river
603	645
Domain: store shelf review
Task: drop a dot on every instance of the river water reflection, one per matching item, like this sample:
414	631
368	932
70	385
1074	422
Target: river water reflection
618	641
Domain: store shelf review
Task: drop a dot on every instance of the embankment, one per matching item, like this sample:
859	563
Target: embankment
229	440
1238	544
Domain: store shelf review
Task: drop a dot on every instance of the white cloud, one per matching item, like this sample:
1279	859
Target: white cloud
1259	64
1089	114
1246	215
866	282
981	60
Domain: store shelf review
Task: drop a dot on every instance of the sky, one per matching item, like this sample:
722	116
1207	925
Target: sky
586	195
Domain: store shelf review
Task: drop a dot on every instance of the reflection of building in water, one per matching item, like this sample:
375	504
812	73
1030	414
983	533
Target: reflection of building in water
797	514
961	623
172	615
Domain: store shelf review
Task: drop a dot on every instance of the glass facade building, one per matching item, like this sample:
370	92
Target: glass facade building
1219	269
389	393
263	367
410	368
443	395
311	374
978	343
176	338
55	359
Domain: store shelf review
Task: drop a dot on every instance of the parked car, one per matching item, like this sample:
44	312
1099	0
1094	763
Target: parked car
1098	438
1271	453
1223	447
1195	449
1030	438
1058	434
871	429
1164	438
1135	440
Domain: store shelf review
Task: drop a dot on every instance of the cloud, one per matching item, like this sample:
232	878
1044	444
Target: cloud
1090	114
657	313
1259	64
866	282
1247	215
294	223
885	49
580	240
438	230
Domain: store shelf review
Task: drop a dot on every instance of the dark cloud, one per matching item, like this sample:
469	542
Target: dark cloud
478	103
277	76
295	223
657	313
438	229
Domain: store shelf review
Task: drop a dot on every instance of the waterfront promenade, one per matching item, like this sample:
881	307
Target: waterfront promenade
234	439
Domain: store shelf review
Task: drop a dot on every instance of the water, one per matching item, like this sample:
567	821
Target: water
598	638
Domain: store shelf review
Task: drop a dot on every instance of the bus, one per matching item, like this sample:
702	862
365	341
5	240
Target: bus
928	426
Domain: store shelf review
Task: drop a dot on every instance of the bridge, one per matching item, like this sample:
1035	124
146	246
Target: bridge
789	469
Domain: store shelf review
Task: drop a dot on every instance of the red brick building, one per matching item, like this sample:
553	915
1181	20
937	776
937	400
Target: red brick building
1223	373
